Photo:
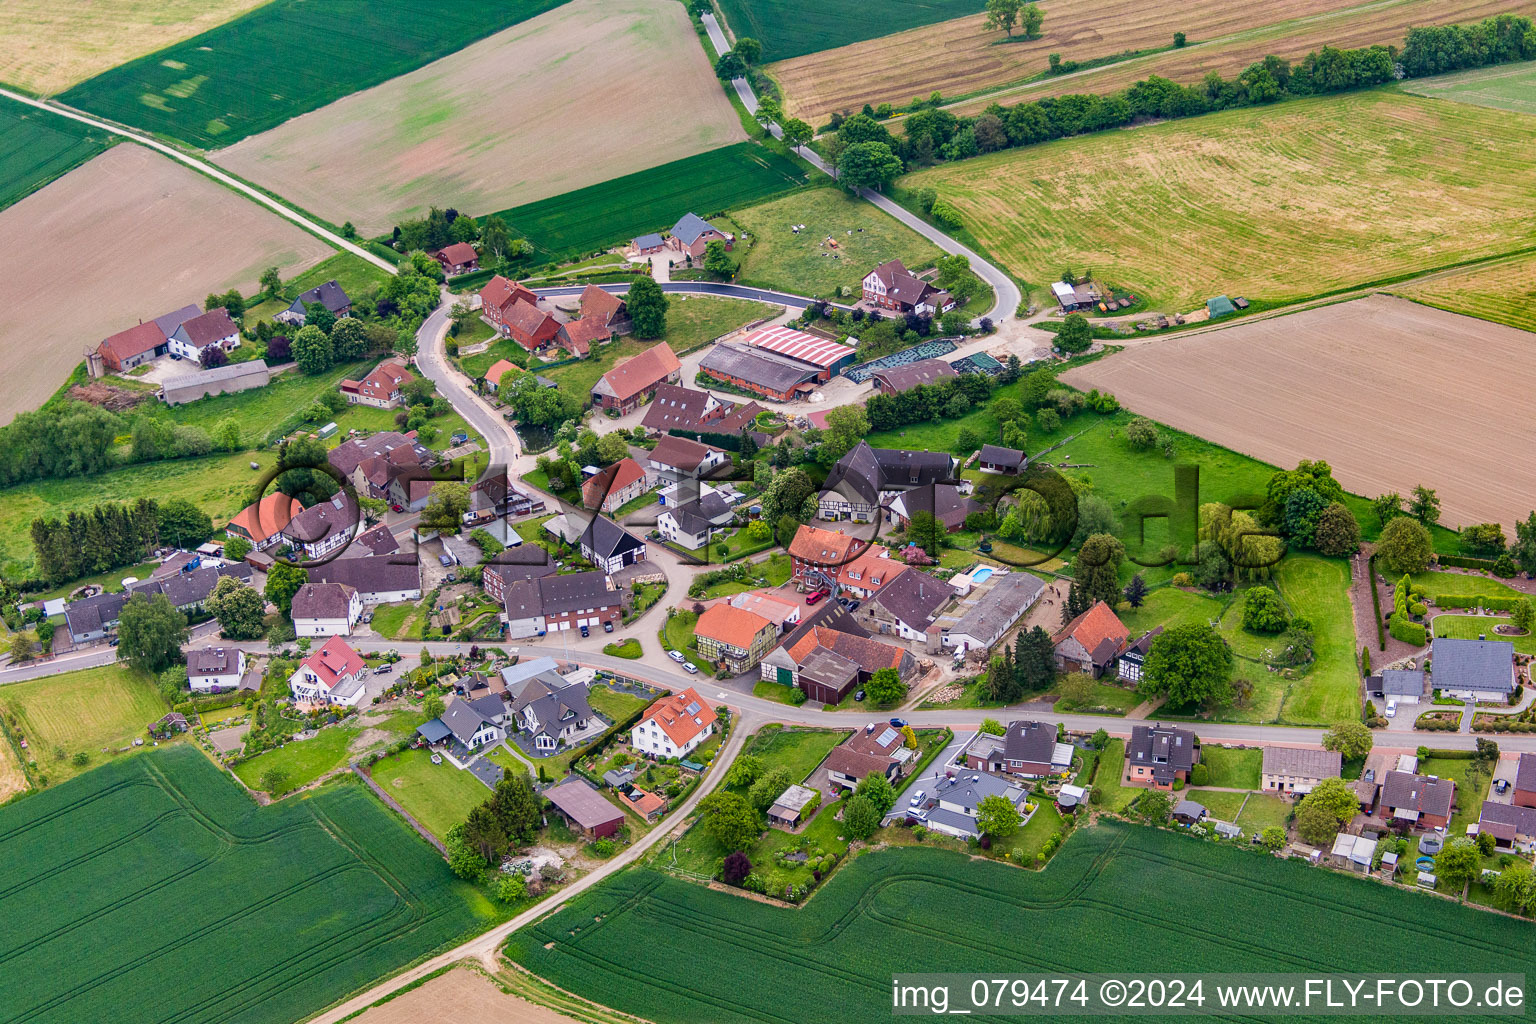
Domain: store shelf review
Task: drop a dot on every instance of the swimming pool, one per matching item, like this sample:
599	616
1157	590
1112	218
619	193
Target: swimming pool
981	575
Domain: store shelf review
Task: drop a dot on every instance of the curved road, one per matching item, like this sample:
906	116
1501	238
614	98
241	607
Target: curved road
729	291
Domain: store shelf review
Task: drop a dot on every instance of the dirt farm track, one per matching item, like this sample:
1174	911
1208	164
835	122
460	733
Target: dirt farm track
1390	393
460	995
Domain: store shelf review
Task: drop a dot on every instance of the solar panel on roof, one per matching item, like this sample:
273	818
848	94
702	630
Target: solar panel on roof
693	707
887	736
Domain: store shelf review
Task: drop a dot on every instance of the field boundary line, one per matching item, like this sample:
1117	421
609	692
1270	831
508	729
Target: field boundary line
394	805
228	180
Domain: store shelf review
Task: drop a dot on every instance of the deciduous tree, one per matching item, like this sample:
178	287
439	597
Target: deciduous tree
647	308
283	581
1424	505
150	632
1351	739
238	608
1337	533
1263	611
860	819
1003	14
996	816
876	788
867	165
885	687
732	821
1191	664
1404	545
312	350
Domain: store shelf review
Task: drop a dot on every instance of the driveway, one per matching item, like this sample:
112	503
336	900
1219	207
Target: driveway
930	776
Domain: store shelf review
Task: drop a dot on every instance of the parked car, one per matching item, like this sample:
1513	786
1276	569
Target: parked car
444	561
113	642
859	695
690	668
397	508
1392	709
675	656
813	598
383	670
608	627
917	799
898	723
585	631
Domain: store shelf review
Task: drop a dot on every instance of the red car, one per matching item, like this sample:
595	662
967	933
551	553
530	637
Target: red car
397	508
817	596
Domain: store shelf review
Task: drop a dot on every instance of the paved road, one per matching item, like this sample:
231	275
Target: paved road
432	361
730	291
484	946
206	168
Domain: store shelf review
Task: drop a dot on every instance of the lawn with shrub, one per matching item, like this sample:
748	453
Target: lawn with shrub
439	796
1230	769
301	761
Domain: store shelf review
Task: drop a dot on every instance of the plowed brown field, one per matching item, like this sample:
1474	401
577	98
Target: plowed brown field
1390	393
128	236
456	997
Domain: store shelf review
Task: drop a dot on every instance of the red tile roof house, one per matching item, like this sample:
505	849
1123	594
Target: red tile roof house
827	663
585	809
381	388
604	307
127	349
622	482
513	311
692	234
814	551
262	523
1091	642
203	331
1420	800
890	285
734	637
332	675
627	386
578	336
674	726
495	372
877	749
458	258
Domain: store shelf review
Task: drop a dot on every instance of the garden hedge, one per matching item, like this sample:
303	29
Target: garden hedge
1408	632
1462	562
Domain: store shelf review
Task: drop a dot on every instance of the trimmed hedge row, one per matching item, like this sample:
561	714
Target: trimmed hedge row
1462	562
1381	636
1488	601
1408	632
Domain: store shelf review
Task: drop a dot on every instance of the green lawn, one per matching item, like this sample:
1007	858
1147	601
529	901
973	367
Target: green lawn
1114	796
1437	582
473	333
1025	844
356	276
1231	769
1319	589
1509	87
774	692
578	377
696	320
1470	627
391	620
613	705
1169	606
437	795
776	570
799	750
629	647
1101	695
220	485
677	635
97	711
1263	810
1220	804
111	580
261	409
645	500
303	760
477	364
1471	788
772	255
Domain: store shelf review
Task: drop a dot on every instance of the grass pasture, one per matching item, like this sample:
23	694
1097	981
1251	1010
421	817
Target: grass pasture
1336	192
1238	387
142	235
1343	24
37	147
1231	769
849	939
777	257
47	46
284	59
424	138
320	896
615	211
356	276
1509	87
95	710
789	28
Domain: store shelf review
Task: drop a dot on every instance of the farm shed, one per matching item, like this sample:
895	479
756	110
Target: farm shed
223	380
585	810
1219	306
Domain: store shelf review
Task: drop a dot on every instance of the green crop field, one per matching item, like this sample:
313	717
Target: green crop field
1503	87
37	147
1317	185
95	711
652	200
792	28
1220	909
285	59
155	882
437	795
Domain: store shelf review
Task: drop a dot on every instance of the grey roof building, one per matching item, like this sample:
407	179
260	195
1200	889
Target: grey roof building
386	577
1161	752
987	613
1398	682
221	380
89	619
762	371
867	471
330	295
1479	667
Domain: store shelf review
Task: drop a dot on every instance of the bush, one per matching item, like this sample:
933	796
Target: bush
946	215
1200	775
1406	631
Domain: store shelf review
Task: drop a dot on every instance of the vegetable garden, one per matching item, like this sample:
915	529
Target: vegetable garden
1219	909
154	882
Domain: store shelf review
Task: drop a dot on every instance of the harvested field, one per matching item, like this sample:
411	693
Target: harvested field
460	995
284	59
617	210
46	46
138	233
1509	87
36	147
1360	24
1504	291
114	878
12	779
844	944
446	134
963	56
1333	191
1245	387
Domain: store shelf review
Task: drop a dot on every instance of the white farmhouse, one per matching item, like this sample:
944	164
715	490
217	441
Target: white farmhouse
674	726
